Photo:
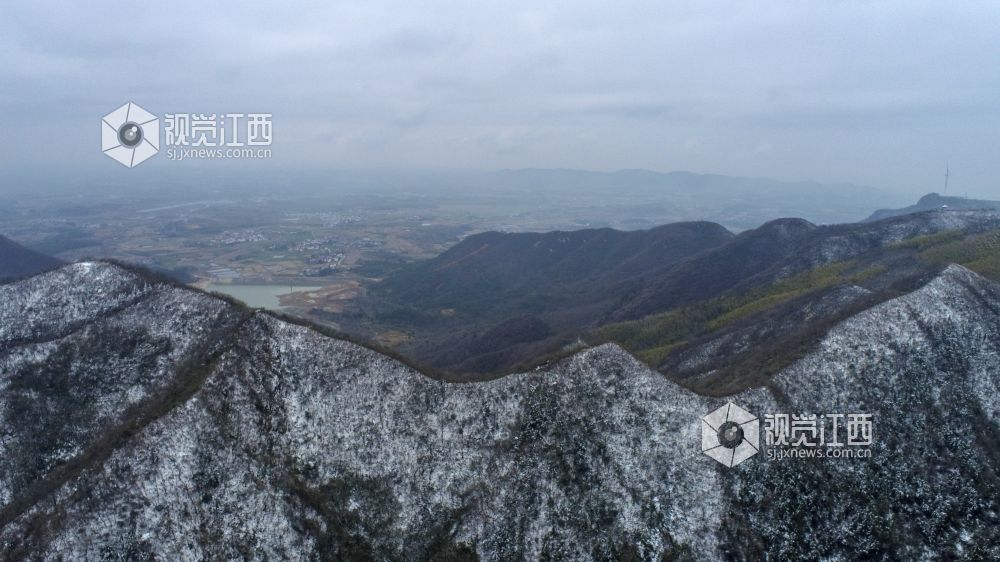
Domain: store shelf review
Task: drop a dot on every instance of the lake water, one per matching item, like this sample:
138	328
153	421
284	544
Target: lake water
258	296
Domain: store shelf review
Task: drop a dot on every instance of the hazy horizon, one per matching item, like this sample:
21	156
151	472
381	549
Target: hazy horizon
879	94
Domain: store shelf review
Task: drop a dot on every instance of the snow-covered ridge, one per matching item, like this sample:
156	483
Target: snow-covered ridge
48	304
957	309
297	445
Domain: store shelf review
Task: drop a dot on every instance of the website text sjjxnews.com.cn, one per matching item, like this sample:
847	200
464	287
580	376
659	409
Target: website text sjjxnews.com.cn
187	152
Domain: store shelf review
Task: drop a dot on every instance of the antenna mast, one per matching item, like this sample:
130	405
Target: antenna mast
947	174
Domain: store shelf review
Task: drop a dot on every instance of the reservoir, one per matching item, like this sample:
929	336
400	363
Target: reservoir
258	296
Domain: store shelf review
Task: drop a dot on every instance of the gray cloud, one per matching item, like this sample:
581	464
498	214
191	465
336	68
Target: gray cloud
868	92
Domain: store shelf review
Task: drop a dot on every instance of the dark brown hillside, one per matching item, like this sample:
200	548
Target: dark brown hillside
17	261
500	275
498	302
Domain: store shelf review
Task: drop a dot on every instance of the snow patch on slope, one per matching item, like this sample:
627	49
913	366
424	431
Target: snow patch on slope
37	307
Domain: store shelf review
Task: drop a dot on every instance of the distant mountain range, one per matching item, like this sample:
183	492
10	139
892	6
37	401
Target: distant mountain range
17	261
737	202
498	302
142	420
933	201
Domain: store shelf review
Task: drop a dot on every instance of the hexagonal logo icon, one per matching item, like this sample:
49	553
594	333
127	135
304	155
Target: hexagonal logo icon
130	134
730	435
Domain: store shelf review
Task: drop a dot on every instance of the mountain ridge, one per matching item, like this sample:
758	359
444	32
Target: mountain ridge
297	443
935	201
461	313
515	263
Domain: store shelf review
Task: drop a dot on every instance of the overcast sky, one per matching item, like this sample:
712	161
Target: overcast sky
871	92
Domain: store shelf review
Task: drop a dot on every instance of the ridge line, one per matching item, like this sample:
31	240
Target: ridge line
191	374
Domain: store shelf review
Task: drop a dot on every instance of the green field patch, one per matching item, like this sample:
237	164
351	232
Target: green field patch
980	253
654	337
